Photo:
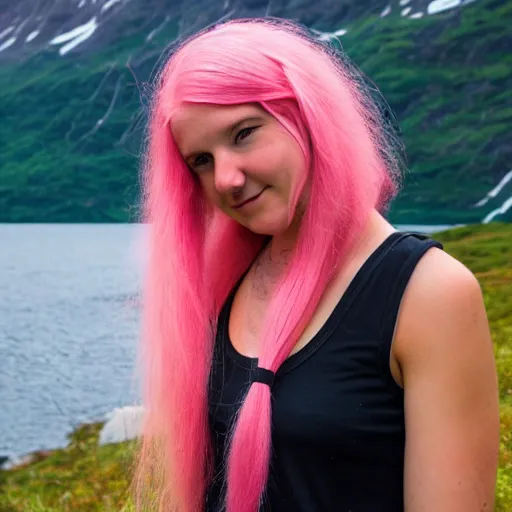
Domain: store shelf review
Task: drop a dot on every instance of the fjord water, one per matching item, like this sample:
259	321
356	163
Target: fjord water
69	322
68	327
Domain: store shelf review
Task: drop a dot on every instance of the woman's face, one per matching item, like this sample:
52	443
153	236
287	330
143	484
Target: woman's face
247	162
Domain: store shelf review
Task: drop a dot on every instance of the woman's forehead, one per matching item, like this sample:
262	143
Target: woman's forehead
193	121
199	112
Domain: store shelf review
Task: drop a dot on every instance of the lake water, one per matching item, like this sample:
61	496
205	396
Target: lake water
69	324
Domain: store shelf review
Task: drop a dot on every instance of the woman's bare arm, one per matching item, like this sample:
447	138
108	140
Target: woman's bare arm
445	353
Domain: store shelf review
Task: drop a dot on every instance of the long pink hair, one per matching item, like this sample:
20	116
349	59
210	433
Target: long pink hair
197	254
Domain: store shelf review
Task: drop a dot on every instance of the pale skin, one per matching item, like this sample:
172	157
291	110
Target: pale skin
441	354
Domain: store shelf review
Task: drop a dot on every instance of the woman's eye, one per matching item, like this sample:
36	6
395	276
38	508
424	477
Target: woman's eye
200	160
204	159
244	133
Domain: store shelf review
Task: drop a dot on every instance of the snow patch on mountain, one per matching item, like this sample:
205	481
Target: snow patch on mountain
438	6
6	32
76	36
32	36
7	43
507	205
107	5
496	190
385	12
326	36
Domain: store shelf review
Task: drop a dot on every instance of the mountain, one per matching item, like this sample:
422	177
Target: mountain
75	80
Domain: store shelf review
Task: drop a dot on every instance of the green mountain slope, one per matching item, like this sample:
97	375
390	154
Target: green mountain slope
70	136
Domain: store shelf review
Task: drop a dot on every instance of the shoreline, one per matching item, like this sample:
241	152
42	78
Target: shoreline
119	425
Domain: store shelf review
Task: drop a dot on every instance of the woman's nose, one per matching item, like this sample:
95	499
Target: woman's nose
229	176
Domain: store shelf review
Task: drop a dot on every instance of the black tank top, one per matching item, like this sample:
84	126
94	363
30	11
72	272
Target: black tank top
338	431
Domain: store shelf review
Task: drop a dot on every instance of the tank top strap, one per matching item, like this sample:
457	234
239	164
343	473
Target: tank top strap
395	276
411	253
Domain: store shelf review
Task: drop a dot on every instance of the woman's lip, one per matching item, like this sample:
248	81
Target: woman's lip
250	199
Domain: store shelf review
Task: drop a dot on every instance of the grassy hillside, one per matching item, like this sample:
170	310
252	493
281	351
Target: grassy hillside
71	127
86	478
449	83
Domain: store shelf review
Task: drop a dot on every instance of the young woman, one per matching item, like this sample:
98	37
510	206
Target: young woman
300	354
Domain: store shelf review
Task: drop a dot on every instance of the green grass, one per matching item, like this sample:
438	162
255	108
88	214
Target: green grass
86	477
81	477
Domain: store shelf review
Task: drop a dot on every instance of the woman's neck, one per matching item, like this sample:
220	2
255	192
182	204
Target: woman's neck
281	246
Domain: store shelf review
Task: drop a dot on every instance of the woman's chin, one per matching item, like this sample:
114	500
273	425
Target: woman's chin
269	227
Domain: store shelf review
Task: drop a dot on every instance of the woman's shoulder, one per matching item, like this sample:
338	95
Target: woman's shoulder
439	280
442	312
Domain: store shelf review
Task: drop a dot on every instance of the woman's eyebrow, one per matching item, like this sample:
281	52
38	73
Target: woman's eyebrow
233	127
227	131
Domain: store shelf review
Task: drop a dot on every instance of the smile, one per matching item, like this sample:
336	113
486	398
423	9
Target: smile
250	200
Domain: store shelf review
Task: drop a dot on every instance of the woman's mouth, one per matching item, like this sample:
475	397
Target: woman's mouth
250	200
